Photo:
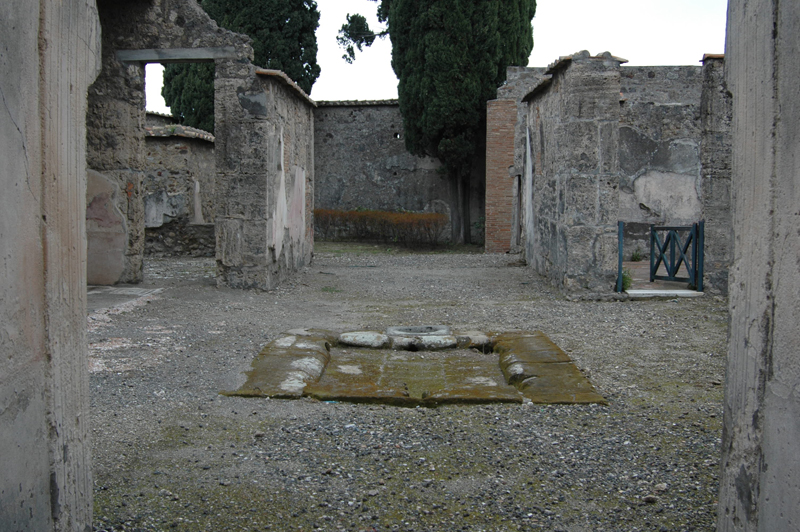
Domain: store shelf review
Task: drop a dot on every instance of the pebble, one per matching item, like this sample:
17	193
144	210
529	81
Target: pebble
301	464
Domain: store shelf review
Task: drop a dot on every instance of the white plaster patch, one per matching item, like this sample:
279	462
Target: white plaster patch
279	216
309	346
310	365
294	382
482	381
296	220
286	341
515	369
350	370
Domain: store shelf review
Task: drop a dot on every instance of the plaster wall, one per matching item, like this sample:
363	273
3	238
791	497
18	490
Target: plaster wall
362	161
49	54
265	176
760	476
573	122
660	136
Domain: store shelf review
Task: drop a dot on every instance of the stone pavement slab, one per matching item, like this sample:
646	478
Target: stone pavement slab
522	366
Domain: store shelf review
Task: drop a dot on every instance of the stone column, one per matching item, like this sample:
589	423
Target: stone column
760	476
715	159
50	55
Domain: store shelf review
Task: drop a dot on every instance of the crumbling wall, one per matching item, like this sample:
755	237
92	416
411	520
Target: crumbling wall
116	120
49	54
760	474
179	183
362	162
659	160
715	154
265	176
571	192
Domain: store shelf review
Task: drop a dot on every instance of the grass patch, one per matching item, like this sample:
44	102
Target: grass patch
331	289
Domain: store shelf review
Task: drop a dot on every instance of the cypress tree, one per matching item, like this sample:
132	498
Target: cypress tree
449	56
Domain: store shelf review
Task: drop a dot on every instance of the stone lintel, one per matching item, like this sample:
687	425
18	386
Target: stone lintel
177	55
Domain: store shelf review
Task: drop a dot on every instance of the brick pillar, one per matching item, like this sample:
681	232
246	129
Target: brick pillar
501	121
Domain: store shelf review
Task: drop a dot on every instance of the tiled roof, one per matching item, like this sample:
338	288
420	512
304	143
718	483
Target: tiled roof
355	103
287	81
176	130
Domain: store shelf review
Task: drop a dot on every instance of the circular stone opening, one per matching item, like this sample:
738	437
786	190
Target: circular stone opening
421	330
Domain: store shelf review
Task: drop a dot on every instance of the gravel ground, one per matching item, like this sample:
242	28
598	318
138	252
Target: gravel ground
170	453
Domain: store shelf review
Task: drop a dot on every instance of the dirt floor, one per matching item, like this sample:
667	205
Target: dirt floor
170	453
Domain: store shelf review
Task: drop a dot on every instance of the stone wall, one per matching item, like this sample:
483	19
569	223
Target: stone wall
49	54
659	158
179	183
265	176
116	121
760	475
571	192
715	154
669	123
362	162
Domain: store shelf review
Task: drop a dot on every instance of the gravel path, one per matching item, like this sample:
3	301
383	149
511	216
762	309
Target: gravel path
172	454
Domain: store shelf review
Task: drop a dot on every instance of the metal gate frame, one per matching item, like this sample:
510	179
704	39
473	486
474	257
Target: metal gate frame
672	253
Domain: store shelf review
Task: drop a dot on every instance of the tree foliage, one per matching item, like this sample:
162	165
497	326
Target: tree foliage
284	38
449	56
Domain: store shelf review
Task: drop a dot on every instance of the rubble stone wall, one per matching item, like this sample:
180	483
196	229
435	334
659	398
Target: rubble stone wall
265	176
660	137
362	162
49	54
116	121
573	120
179	182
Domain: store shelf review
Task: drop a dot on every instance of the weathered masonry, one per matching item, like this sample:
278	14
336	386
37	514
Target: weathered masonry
596	143
179	181
362	162
263	187
265	179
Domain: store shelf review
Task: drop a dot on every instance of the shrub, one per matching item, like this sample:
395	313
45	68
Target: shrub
412	229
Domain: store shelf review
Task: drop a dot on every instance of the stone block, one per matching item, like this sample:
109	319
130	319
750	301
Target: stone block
578	147
581	200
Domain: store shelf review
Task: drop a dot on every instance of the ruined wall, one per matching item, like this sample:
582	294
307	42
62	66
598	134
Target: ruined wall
760	475
572	192
116	120
362	162
715	154
49	54
179	183
659	159
265	176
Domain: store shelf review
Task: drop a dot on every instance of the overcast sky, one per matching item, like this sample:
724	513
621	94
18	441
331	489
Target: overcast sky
646	32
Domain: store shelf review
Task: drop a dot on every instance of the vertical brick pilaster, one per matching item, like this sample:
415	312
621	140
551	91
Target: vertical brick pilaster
501	120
